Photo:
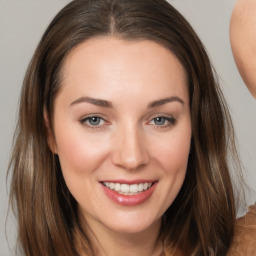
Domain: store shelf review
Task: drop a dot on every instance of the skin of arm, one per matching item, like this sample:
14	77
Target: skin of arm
243	41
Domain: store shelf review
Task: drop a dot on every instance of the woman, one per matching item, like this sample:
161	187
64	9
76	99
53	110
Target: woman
121	145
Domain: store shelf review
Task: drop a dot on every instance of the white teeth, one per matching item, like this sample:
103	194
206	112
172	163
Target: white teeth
126	189
112	185
134	188
117	187
141	185
145	186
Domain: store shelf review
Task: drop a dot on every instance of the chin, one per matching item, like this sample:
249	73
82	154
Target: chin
130	224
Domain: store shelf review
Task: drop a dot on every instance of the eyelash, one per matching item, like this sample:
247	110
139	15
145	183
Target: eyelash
171	121
85	121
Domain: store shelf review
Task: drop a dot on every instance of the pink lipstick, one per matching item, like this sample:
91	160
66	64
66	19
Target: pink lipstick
129	193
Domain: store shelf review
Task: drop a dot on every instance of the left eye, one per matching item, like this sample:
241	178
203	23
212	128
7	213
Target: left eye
93	121
162	121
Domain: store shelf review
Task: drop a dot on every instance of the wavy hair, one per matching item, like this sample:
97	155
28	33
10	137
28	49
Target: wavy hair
201	219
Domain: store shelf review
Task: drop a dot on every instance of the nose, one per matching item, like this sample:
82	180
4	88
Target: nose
130	151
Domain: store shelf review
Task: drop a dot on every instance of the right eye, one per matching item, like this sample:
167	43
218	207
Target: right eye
93	121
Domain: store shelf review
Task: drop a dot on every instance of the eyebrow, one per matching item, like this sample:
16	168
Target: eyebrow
97	102
161	102
107	104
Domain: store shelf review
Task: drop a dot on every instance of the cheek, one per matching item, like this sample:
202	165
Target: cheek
79	151
172	153
80	156
172	158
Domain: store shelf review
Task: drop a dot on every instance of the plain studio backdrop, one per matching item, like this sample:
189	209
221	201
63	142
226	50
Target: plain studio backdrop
22	23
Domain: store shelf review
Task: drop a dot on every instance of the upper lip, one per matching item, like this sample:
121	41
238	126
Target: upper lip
129	182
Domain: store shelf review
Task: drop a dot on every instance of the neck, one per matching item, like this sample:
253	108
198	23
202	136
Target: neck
107	242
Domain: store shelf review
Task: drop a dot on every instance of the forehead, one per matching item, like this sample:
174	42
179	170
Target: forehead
112	63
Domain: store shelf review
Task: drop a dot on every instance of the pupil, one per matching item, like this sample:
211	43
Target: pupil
159	120
94	120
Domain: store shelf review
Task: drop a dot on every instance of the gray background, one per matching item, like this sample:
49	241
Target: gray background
22	23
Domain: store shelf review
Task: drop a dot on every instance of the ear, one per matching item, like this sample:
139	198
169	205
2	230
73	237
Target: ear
50	137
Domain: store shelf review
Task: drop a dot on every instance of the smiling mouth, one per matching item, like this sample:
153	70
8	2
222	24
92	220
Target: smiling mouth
126	189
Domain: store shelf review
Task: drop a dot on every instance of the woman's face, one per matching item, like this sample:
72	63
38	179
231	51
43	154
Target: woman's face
122	125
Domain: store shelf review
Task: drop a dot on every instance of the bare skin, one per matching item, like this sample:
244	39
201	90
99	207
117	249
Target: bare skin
122	115
243	41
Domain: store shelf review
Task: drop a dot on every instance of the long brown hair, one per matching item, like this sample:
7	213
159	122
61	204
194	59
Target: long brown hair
201	219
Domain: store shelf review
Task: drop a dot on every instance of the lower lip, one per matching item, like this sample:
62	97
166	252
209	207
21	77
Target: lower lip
128	200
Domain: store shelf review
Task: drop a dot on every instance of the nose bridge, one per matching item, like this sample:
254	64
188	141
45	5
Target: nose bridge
130	152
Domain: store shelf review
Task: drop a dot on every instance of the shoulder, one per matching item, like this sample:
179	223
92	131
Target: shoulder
244	243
